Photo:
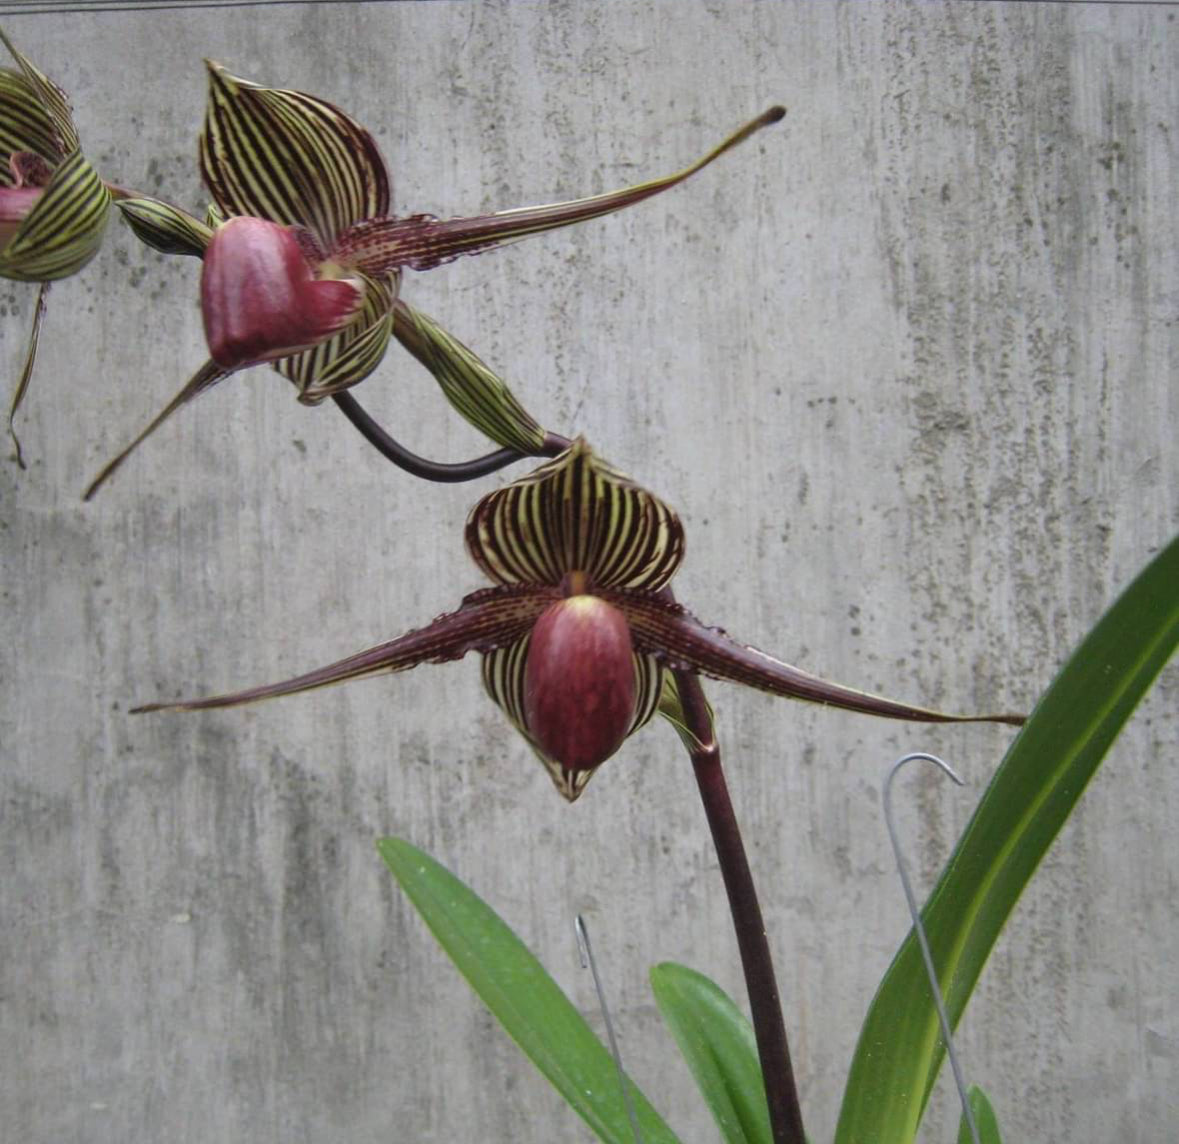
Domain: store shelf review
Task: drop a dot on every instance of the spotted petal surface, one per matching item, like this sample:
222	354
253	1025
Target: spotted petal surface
576	514
288	157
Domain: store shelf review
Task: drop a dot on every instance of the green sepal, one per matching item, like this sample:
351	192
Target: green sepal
166	228
672	709
576	514
25	125
473	388
53	101
985	1119
348	357
288	157
64	229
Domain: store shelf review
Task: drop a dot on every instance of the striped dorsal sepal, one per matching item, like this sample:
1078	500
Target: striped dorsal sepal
576	514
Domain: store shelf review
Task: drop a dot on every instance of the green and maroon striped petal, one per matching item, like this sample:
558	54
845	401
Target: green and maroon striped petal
53	124
422	241
64	228
289	157
576	514
503	677
351	355
25	125
666	630
164	227
487	620
205	378
26	373
474	389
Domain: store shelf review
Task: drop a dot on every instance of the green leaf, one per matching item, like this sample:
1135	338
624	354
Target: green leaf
576	514
984	1119
1027	802
523	997
64	229
166	228
474	390
718	1043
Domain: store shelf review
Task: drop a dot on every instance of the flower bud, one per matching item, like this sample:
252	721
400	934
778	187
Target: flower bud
260	297
579	682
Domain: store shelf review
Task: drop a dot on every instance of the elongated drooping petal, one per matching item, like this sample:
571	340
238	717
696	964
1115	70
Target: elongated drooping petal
667	630
579	682
290	157
26	373
469	384
422	241
487	620
205	378
576	514
260	298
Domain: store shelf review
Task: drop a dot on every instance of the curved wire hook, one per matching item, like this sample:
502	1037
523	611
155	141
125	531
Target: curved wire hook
919	926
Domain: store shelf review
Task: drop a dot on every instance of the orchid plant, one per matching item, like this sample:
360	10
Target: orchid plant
580	635
302	259
53	204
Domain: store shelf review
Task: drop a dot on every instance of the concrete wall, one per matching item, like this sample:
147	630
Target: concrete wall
907	367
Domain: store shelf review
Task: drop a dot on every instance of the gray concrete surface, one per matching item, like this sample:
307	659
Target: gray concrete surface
906	365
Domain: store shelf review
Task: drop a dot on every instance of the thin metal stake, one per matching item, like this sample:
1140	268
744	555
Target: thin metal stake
915	914
586	956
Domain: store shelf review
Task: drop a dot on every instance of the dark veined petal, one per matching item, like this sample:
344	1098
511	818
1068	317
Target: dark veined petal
664	629
164	227
25	125
576	514
503	676
205	378
474	390
288	157
352	354
55	106
26	373
422	241
64	228
261	299
489	619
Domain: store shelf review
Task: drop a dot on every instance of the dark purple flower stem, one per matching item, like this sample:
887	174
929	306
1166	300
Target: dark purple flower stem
768	1026
433	470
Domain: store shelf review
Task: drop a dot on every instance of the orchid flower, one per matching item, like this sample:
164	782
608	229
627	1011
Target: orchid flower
579	635
303	260
53	205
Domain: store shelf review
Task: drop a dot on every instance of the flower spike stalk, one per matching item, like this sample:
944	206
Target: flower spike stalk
53	204
303	258
578	634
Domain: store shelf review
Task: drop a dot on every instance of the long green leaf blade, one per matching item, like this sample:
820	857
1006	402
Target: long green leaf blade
718	1043
523	997
984	1119
1027	802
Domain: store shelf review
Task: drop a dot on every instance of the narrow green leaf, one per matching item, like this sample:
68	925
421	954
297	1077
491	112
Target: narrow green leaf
475	390
718	1043
576	514
64	229
523	997
164	227
1027	802
984	1119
